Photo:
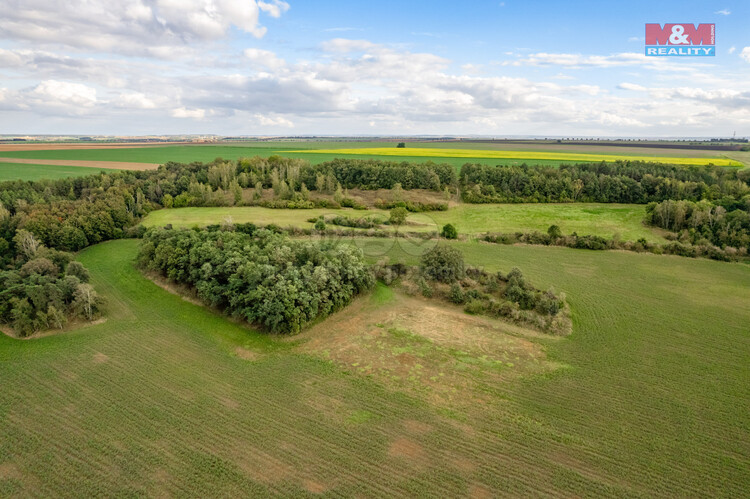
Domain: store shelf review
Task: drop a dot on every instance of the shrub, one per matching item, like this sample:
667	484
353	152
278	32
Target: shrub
554	231
457	294
474	307
398	216
443	263
320	225
449	232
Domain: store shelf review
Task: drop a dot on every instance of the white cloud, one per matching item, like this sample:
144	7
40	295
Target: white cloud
632	86
264	58
157	28
182	112
65	93
731	50
723	12
275	8
346	45
273	121
745	54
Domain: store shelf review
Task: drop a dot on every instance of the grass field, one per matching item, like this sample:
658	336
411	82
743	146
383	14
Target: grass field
18	171
528	156
648	396
584	218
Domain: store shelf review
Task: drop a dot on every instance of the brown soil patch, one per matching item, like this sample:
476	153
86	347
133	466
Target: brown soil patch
314	487
478	491
9	471
100	358
263	467
229	403
417	427
405	448
463	464
245	354
114	165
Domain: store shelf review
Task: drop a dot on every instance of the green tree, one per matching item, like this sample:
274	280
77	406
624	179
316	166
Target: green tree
443	263
398	216
77	269
449	231
554	231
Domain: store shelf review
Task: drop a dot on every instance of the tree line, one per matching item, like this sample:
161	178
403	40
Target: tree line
45	289
704	222
619	182
260	276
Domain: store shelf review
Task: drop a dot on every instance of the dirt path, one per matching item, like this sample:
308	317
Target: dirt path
116	165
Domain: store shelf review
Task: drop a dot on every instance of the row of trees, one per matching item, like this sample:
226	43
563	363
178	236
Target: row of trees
259	276
703	222
619	182
45	290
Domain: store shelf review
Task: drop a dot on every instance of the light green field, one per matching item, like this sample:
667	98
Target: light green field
528	156
19	171
165	398
603	220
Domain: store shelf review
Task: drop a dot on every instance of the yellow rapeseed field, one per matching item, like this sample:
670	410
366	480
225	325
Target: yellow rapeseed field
521	155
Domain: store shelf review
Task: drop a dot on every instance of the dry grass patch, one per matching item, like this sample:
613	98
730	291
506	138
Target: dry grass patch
435	351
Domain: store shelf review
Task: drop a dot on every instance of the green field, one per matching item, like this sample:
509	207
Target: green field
22	171
648	397
584	218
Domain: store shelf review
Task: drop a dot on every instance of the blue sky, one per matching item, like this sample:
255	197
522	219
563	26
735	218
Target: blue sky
272	67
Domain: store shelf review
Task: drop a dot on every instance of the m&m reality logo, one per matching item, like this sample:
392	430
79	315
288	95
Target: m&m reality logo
680	39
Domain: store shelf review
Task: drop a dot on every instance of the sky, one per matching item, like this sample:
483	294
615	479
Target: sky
295	67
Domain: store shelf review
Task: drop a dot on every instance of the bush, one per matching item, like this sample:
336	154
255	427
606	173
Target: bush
449	232
320	225
398	216
443	263
474	307
554	231
457	294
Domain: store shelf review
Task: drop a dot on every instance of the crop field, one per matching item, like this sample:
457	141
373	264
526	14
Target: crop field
528	156
598	219
647	397
320	151
19	171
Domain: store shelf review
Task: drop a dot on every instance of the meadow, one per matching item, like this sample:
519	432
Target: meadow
598	219
645	398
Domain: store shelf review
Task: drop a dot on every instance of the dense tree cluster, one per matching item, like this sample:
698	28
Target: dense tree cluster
376	174
45	289
704	222
257	275
619	182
